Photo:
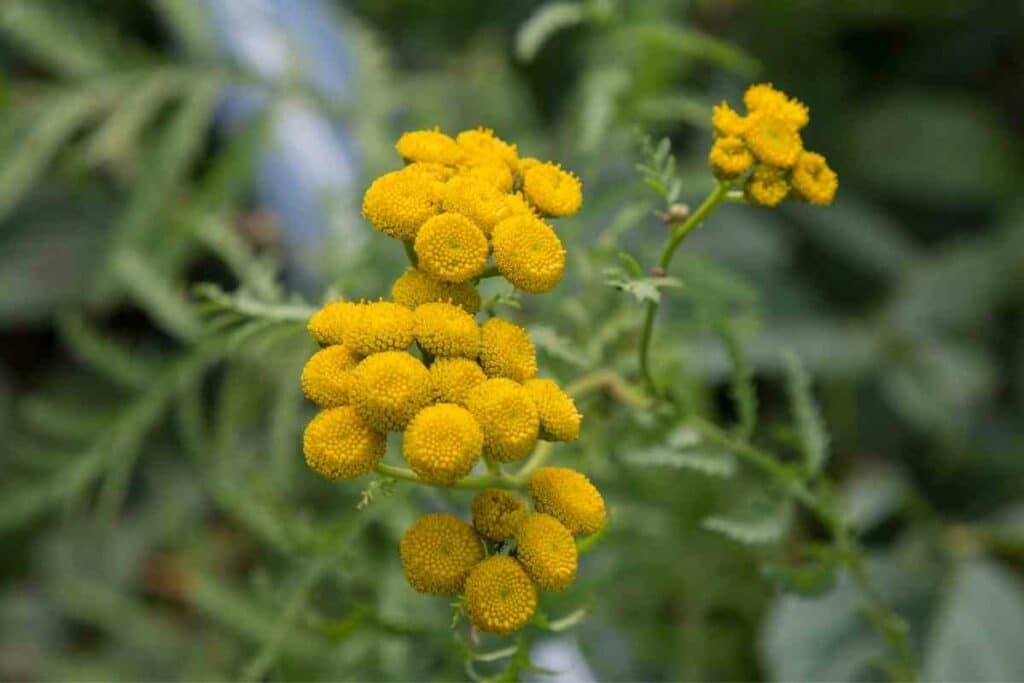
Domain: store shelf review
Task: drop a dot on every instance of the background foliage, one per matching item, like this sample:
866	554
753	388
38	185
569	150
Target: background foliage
156	516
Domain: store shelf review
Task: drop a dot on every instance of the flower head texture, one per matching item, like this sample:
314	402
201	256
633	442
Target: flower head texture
491	171
378	326
442	443
326	376
507	416
554	191
506	350
483	143
453	378
569	497
727	121
389	388
729	157
437	552
445	331
497	513
398	203
547	550
431	146
766	186
328	324
559	419
528	253
451	248
813	180
339	444
414	287
772	140
434	171
762	97
499	595
478	201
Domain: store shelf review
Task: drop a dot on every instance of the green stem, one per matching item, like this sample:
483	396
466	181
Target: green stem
410	253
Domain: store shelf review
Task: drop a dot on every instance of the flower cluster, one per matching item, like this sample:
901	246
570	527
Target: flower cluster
457	389
764	148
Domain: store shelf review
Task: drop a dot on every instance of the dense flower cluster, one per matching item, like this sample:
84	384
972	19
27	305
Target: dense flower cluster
764	149
457	389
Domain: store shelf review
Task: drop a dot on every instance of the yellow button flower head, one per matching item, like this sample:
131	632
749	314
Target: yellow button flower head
762	97
398	203
493	172
339	444
325	378
569	497
730	158
766	186
813	180
445	330
378	326
727	121
547	551
506	350
414	287
478	201
452	379
772	140
327	325
553	191
507	416
497	513
525	164
500	598
438	551
451	248
442	443
431	146
528	253
389	388
482	143
438	172
559	419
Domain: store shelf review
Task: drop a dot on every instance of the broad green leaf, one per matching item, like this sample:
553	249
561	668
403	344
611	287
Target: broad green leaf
808	422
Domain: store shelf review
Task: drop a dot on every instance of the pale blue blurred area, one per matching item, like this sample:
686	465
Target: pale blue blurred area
562	656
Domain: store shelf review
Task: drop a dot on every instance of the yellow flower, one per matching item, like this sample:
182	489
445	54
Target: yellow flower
389	388
762	97
378	326
491	171
730	158
438	172
528	253
553	191
559	419
451	248
326	377
414	287
452	378
525	164
398	203
727	121
338	444
482	143
569	497
507	416
497	513
507	351
437	552
445	330
500	598
430	146
547	551
328	323
477	201
813	180
766	186
442	443
772	140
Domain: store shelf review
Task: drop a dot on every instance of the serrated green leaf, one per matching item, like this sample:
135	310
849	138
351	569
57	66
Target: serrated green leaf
118	363
66	40
763	521
809	425
546	21
742	388
547	339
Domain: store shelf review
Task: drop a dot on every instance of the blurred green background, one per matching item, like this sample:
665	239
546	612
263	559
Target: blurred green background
156	518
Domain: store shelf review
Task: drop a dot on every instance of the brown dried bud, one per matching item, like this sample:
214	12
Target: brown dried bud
677	213
657	271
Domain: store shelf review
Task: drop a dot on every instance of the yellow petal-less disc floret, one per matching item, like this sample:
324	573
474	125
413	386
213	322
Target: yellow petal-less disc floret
478	201
507	416
482	143
506	350
528	253
552	190
497	513
729	158
559	419
445	331
339	444
766	186
326	376
450	247
389	388
378	326
762	97
525	164
813	180
398	203
547	551
327	325
452	379
414	287
430	146
499	595
772	140
442	443
437	552
438	172
491	171
569	497
727	121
